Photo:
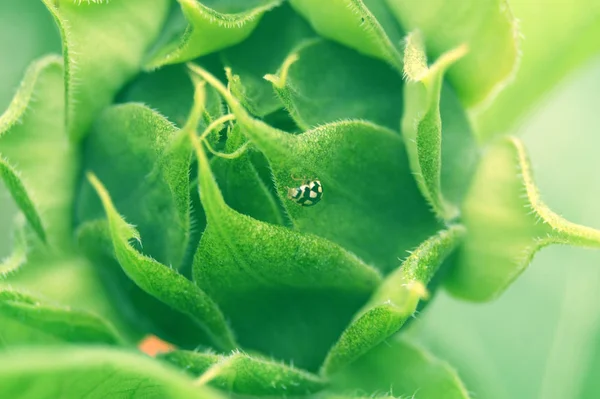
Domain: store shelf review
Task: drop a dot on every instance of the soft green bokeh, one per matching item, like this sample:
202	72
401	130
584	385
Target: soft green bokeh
29	21
541	338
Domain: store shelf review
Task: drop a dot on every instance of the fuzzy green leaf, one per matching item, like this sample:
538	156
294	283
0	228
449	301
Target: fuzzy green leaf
103	46
394	301
147	177
67	324
543	66
402	369
280	31
17	190
430	139
507	223
241	185
486	26
242	374
242	262
328	83
376	211
159	280
209	26
364	25
145	313
93	373
30	130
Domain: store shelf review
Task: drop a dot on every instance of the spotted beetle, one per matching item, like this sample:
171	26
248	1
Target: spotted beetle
307	194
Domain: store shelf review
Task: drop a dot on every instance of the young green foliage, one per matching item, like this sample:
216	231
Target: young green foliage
93	373
402	369
506	223
384	197
241	261
323	82
69	325
148	177
168	90
364	25
208	27
277	35
243	374
159	280
493	45
240	183
394	301
103	46
428	141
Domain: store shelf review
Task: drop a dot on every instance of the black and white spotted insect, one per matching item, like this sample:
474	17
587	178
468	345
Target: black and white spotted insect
307	194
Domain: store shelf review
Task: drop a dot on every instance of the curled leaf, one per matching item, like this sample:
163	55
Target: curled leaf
208	27
487	27
376	212
324	82
67	324
243	374
241	185
364	25
506	222
277	35
394	301
431	139
159	280
103	46
246	264
156	195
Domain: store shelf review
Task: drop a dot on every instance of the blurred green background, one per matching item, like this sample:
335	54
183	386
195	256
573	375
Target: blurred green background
541	339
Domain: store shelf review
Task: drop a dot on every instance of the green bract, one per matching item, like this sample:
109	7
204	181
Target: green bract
151	165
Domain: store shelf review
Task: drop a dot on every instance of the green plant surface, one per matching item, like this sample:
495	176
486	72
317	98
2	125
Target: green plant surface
30	22
67	324
366	26
159	280
207	26
542	66
541	338
506	231
394	302
324	82
487	27
20	248
243	374
40	189
257	56
265	198
157	201
430	145
245	251
332	153
241	185
412	372
103	48
92	373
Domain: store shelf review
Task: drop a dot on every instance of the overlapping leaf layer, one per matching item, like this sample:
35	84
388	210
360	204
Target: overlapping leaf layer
153	166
